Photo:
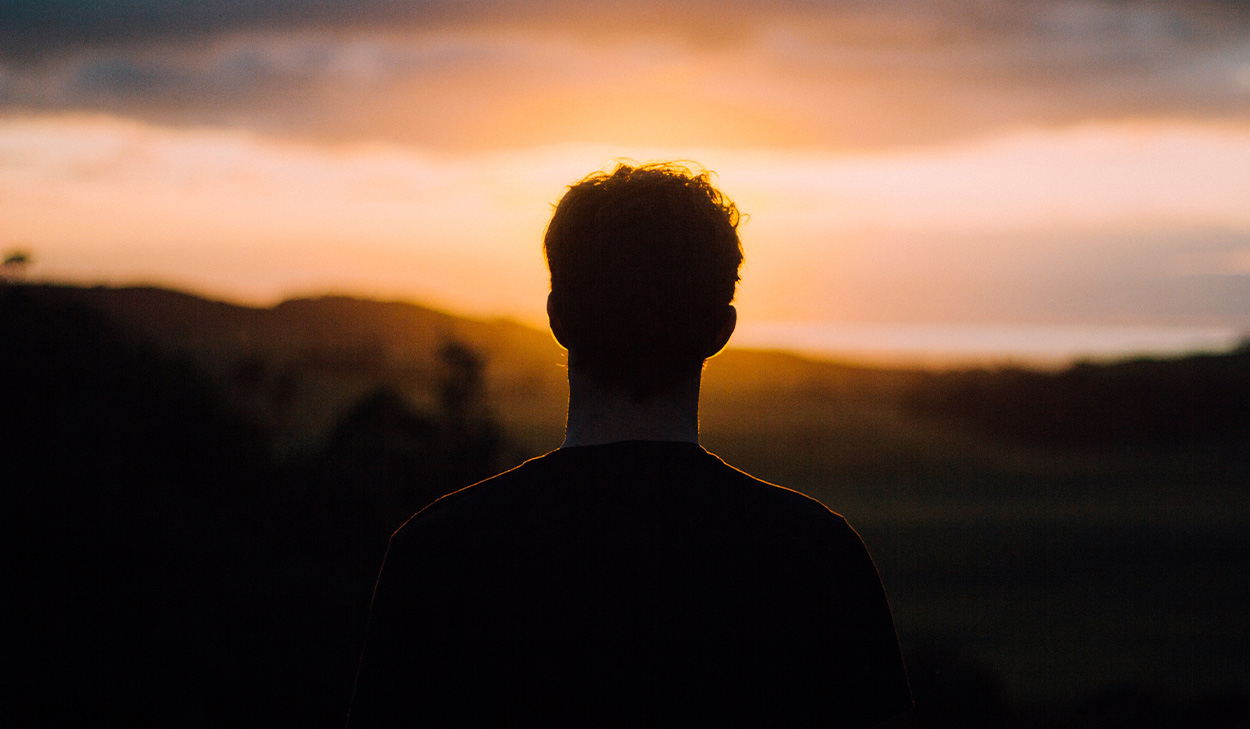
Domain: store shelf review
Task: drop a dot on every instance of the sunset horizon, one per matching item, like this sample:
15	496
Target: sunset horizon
1064	169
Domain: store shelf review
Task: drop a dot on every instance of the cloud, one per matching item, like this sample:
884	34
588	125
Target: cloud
462	76
1058	29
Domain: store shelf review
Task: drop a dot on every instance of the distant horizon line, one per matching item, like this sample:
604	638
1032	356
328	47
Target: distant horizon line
948	345
891	344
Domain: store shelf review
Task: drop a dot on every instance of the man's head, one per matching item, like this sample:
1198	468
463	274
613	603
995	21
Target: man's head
644	262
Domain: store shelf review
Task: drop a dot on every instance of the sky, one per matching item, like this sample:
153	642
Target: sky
1061	176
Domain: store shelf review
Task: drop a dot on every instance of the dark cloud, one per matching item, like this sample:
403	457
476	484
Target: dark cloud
842	74
39	27
35	28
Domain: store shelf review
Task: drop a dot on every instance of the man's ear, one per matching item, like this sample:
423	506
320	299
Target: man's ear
725	332
553	318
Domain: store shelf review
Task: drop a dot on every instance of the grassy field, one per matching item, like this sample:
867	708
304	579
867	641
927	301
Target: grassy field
1060	571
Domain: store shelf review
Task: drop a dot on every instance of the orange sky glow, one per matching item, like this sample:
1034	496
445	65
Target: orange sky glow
890	179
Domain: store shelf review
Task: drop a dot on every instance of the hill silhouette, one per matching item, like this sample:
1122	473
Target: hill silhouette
170	551
349	341
1139	402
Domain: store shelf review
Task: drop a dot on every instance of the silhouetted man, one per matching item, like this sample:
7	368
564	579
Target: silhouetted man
631	578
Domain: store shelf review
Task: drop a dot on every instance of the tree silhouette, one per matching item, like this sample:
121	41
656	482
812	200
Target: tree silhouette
460	392
16	263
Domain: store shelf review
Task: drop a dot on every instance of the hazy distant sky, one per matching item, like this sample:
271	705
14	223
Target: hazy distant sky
999	162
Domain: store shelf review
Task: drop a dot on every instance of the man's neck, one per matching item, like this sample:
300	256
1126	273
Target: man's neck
599	415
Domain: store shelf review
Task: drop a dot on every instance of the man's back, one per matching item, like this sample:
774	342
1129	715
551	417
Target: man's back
629	584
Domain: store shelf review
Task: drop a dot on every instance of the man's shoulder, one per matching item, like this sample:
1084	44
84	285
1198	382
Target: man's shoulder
473	498
663	474
772	500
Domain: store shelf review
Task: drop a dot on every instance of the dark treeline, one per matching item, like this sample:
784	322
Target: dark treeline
1137	403
170	568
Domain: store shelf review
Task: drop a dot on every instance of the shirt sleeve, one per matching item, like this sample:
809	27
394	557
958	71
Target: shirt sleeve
373	701
881	664
841	664
400	662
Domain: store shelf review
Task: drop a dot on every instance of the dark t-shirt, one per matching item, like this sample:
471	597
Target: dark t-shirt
632	584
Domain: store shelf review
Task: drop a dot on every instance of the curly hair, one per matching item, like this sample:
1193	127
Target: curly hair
644	263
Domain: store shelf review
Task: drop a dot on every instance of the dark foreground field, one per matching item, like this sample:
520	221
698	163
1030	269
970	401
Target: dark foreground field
198	497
